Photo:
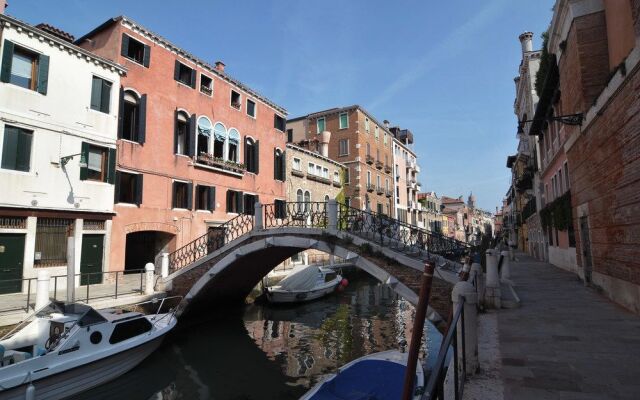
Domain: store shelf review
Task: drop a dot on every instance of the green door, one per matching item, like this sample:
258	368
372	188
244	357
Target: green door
11	258
91	259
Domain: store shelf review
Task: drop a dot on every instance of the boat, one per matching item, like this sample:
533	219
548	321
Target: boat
377	376
304	283
67	348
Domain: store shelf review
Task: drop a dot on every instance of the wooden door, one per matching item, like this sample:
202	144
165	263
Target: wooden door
91	259
11	262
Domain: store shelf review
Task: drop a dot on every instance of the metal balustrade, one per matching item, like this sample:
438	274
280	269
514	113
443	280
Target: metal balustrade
302	214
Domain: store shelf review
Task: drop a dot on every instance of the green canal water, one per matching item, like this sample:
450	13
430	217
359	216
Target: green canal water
260	351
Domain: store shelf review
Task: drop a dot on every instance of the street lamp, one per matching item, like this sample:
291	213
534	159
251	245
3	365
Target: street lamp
570	119
64	160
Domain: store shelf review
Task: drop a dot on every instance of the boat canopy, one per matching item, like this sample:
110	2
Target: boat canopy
301	278
86	314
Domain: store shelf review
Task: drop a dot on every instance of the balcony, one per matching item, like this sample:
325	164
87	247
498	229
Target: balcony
369	160
388	193
219	163
379	164
320	179
387	169
297	172
370	187
411	165
379	190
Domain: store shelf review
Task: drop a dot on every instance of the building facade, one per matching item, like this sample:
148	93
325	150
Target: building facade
196	147
431	205
406	170
58	153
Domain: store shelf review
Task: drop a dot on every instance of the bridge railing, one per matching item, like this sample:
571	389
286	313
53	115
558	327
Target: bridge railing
401	236
304	214
215	238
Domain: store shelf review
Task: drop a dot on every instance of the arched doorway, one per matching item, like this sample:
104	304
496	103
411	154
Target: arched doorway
146	247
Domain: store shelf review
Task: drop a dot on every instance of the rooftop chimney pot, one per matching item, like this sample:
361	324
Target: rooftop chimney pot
525	41
219	66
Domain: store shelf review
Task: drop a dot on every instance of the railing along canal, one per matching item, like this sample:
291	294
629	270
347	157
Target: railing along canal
302	214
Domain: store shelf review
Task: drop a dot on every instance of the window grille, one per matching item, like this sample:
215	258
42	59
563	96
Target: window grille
93	225
51	241
13	222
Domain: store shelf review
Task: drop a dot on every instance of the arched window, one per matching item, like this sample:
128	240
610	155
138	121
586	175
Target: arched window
307	201
234	143
182	133
326	198
204	135
219	139
130	122
299	199
278	165
251	152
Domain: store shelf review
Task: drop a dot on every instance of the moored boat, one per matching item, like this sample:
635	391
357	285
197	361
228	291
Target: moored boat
304	284
68	348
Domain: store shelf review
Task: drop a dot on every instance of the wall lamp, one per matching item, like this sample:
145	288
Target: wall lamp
64	160
570	119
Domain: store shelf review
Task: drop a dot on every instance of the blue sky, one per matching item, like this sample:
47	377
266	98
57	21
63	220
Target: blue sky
443	69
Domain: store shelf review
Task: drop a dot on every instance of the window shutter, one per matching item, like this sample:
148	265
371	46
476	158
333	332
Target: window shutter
189	196
43	73
142	119
124	50
174	186
105	96
240	203
111	169
229	203
176	70
246	156
284	166
138	194
256	157
192	135
276	162
120	112
84	158
175	132
96	88
147	56
7	59
193	78
116	189
212	198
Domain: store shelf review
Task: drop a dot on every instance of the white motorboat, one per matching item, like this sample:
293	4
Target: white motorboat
68	348
374	376
304	283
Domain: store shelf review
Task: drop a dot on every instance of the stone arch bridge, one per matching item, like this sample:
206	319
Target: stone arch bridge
227	262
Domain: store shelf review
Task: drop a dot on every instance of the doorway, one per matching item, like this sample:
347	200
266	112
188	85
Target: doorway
11	262
586	248
145	247
91	259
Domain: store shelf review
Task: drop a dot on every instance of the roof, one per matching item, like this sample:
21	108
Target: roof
61	42
450	200
337	110
314	154
182	53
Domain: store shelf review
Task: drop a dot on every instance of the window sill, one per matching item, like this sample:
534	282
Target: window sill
182	155
140	63
16	172
13	85
179	209
216	169
204	211
97	111
94	182
130	141
343	155
206	94
252	117
128	205
184	84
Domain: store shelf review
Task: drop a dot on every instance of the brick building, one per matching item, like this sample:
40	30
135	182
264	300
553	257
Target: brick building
595	54
195	146
362	144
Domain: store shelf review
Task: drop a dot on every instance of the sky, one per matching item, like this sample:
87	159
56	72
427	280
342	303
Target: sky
443	69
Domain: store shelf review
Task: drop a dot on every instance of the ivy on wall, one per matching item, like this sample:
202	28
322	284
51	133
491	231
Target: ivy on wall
541	75
557	213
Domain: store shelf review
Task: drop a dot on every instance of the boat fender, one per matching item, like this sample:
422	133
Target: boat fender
344	282
30	392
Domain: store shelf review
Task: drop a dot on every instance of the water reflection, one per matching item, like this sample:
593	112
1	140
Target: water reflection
266	352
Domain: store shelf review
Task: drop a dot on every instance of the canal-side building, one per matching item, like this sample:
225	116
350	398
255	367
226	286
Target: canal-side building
363	145
58	126
431	205
405	170
196	147
594	66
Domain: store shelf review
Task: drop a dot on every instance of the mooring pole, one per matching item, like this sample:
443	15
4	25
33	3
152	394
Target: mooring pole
418	327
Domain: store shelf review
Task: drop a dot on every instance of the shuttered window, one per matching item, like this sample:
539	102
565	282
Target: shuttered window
251	155
128	188
279	165
97	163
16	148
135	50
132	116
205	198
235	202
184	74
182	195
100	94
24	68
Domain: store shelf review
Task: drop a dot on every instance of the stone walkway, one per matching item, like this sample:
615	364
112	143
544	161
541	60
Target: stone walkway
566	341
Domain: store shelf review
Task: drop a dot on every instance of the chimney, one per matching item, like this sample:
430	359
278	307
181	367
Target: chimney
386	124
323	140
219	64
3	5
525	41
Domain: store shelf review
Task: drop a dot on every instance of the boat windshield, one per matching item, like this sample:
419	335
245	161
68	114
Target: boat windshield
86	315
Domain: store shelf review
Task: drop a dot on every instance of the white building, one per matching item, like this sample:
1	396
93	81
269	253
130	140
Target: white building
407	186
58	125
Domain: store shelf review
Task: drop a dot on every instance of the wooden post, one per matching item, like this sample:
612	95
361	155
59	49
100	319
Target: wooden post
418	327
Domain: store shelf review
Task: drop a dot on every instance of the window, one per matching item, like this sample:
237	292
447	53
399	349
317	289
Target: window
347	201
325	173
379	208
347	175
318	170
233	152
299	199
250	201
182	195
129	329
377	134
368	178
204	134
377	154
235	99
184	74
251	108
132	116
51	241
251	155
97	163
182	137
336	177
235	201
366	125
289	135
280	124
24	68
128	188
320	125
566	175
296	164
16	148
311	168
344	120
135	50
560	182
219	140
278	165
307	200
281	209
378	182
205	198
344	147
368	149
326	198
206	85
384	136
100	94
386	184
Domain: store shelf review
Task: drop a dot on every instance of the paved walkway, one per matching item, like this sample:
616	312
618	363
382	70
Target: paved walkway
566	341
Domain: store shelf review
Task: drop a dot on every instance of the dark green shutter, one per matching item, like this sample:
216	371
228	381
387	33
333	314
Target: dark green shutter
43	73
142	119
276	164
175	132
189	196
284	166
111	170
120	112
176	70
96	89
212	198
174	186
147	56
105	96
7	59
240	202
124	50
192	135
256	151
229	203
84	159
193	78
116	189
138	194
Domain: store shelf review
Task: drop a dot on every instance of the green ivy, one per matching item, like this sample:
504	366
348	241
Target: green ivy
541	75
557	213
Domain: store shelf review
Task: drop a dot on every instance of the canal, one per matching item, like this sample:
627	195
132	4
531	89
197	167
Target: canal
260	351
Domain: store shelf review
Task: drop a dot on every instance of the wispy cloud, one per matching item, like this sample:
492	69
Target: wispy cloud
455	43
